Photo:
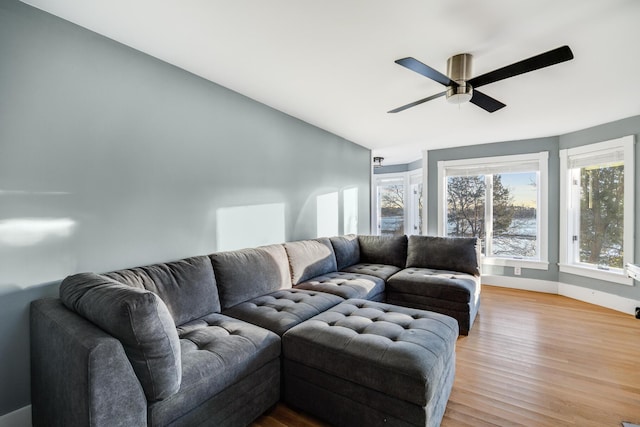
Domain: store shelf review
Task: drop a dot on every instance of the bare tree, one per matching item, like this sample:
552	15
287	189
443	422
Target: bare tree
392	208
392	197
465	200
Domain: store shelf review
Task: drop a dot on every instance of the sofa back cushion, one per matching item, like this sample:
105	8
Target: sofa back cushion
310	258
389	250
187	287
139	320
445	253
249	273
347	250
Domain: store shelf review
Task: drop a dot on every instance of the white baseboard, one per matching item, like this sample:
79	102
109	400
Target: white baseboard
525	284
603	299
18	418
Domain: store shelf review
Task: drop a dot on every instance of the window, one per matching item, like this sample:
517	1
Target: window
390	206
415	204
501	200
398	203
597	204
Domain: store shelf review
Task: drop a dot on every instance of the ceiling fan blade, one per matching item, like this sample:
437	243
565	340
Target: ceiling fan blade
413	104
546	59
486	102
420	68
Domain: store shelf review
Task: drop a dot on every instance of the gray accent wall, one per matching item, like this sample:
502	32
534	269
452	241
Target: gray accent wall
110	158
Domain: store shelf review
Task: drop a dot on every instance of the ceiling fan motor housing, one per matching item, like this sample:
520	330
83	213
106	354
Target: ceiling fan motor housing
459	70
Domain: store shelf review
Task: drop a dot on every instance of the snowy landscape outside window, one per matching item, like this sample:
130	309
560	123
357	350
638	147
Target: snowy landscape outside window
499	200
510	219
600	239
391	207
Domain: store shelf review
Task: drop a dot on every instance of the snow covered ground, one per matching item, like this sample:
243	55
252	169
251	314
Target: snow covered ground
518	240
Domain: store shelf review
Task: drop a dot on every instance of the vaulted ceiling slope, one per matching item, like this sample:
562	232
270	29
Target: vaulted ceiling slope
331	63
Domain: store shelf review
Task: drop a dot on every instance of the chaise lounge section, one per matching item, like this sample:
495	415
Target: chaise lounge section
442	275
198	341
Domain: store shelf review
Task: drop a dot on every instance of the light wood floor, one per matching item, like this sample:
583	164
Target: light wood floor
535	359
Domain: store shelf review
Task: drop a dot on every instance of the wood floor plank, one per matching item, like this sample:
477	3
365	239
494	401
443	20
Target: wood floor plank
535	359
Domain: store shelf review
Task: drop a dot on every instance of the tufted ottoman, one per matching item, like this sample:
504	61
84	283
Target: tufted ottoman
365	363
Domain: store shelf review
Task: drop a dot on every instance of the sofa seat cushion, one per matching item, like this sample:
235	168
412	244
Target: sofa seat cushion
382	271
217	352
310	258
440	284
402	352
346	285
248	273
187	287
280	310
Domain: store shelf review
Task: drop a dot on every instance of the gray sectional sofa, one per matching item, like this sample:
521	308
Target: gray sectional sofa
199	341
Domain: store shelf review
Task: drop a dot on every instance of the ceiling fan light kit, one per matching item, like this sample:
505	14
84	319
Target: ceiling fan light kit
461	87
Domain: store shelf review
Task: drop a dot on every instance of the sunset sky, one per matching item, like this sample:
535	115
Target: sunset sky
522	190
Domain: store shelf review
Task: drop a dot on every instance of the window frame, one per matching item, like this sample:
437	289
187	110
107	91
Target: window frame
568	214
411	213
413	219
495	163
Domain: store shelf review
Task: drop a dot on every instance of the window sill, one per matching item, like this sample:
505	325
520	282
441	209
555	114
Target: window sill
514	262
594	273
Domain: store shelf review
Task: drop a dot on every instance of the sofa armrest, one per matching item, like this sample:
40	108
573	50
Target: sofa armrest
80	375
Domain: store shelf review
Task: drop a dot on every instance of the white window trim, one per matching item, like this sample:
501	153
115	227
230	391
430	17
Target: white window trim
377	178
542	263
414	177
408	178
516	262
565	266
425	193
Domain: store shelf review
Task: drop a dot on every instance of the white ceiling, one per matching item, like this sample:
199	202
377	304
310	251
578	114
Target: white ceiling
331	62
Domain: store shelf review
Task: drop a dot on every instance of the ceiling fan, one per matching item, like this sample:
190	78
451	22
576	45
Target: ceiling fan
461	87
